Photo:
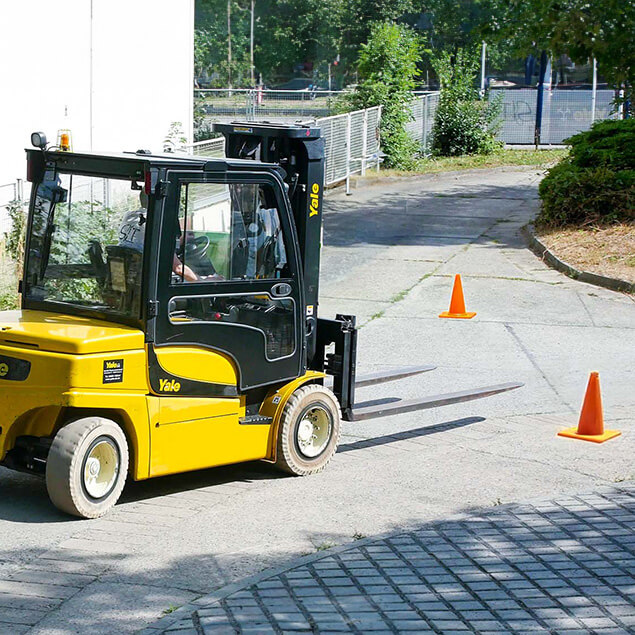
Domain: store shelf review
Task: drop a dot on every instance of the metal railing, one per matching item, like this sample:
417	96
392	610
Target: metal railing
422	109
252	104
352	144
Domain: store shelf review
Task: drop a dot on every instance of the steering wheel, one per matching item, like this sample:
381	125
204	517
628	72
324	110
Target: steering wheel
197	247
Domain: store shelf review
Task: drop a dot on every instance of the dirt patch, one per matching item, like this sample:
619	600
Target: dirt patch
608	251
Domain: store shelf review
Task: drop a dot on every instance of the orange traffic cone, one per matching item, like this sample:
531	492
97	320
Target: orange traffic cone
457	303
591	423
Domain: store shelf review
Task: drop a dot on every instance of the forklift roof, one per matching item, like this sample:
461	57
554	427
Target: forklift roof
298	130
133	164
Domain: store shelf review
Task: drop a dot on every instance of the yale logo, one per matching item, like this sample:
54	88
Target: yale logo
315	198
112	365
4	369
169	385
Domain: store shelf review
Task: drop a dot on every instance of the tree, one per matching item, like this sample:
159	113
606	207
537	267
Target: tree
297	32
387	70
463	123
213	39
582	29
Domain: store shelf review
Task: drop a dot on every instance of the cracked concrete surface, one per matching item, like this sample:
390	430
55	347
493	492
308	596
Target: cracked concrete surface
389	257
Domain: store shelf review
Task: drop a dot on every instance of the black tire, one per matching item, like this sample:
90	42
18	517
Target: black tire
314	402
69	463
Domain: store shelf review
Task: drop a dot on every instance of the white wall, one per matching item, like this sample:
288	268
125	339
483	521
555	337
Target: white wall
116	72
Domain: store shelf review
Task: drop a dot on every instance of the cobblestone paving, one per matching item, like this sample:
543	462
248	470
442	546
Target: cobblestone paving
565	566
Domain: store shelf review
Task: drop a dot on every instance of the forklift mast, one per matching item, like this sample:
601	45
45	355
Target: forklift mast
299	149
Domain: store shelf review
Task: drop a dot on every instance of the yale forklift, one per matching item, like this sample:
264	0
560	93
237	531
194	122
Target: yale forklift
169	319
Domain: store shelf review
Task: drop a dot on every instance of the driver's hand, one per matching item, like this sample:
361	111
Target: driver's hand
213	277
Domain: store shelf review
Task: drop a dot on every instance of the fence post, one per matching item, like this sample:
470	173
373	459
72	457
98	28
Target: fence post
424	136
365	142
348	153
19	190
594	89
377	132
540	98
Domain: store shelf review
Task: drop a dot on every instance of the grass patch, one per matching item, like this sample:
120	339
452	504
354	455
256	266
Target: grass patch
324	546
607	251
537	158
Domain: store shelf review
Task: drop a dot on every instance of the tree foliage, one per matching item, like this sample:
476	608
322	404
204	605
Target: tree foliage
582	29
463	123
288	34
387	70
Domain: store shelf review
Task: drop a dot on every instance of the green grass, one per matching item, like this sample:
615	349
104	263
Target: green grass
324	546
537	158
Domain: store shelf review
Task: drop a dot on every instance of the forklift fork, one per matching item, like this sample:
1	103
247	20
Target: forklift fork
339	364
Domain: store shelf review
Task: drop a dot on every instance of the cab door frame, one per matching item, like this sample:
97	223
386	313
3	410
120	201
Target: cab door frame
242	345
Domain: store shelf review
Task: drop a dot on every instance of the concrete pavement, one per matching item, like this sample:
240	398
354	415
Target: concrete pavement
390	253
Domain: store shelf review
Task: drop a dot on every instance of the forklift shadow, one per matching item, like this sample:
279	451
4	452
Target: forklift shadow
29	502
232	475
424	431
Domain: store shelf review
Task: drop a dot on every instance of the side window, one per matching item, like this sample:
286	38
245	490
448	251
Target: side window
228	232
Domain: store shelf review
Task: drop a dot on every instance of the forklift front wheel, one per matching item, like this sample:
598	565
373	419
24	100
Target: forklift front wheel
87	466
309	431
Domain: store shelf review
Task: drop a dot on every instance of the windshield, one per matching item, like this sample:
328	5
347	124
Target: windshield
86	243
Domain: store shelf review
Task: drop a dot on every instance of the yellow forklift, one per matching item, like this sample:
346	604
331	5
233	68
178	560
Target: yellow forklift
169	319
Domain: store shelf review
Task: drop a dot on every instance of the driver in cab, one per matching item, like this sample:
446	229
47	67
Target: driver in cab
132	235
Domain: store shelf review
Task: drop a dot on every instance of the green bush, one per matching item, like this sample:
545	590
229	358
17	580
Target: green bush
609	143
8	301
595	184
387	70
14	238
463	123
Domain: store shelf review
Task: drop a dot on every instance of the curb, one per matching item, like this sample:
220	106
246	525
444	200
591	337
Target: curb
187	610
548	257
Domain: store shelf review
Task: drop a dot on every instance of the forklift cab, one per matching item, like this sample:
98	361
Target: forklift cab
193	252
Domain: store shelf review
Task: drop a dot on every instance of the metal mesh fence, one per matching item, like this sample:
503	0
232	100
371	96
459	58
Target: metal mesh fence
351	144
422	109
214	148
565	112
256	104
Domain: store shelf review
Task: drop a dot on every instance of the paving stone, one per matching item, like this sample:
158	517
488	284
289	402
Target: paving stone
510	578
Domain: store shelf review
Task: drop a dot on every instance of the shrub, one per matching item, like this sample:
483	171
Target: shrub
387	70
9	301
14	238
463	123
595	184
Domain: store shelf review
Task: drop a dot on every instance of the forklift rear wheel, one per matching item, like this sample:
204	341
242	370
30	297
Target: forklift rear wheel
87	466
309	431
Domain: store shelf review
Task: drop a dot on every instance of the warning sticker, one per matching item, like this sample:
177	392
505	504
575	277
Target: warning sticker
113	371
